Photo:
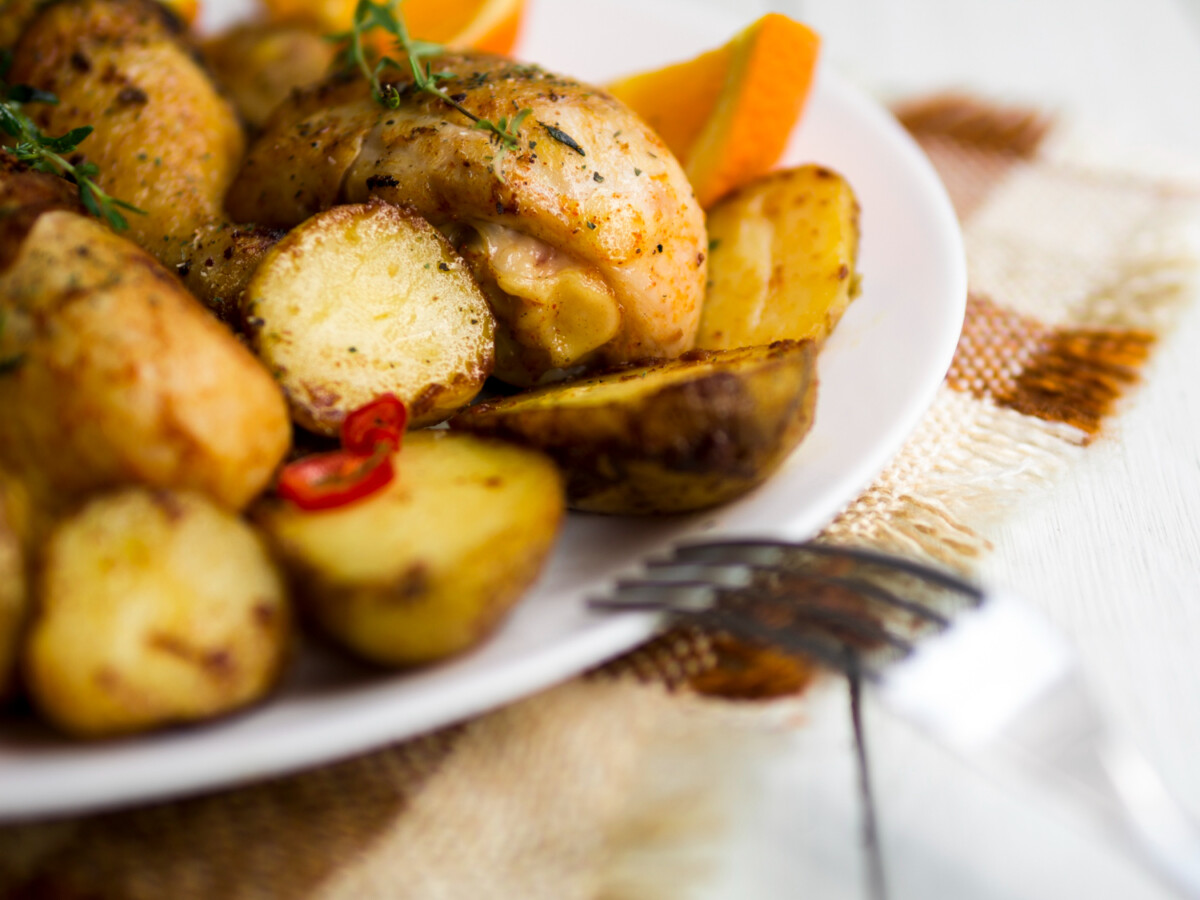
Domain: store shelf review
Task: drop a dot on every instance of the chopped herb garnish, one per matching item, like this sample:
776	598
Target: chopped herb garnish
563	138
47	154
596	176
591	226
713	244
386	15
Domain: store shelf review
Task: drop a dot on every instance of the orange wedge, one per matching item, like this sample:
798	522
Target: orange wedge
185	9
490	25
727	114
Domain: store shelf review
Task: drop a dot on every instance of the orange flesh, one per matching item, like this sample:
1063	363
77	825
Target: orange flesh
488	25
728	113
677	101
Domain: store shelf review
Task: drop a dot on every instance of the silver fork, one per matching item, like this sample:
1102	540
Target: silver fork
940	652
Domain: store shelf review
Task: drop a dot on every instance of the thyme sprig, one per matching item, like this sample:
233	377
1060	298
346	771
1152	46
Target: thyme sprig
368	16
48	154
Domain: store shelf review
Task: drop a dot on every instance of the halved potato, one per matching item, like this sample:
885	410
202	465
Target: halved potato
153	607
781	264
364	299
669	437
429	565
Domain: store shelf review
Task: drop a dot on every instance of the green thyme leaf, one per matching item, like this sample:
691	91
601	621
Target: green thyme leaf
562	137
385	15
45	153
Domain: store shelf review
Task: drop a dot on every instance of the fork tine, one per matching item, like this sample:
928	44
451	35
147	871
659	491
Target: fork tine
738	571
883	595
763	591
690	596
767	553
679	598
667	572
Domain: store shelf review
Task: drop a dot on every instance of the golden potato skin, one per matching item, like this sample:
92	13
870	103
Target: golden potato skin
218	263
24	195
122	377
15	529
428	566
260	63
782	260
670	437
14	16
154	608
366	299
165	140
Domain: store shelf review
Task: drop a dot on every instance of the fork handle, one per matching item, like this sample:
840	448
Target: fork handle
1161	829
1064	742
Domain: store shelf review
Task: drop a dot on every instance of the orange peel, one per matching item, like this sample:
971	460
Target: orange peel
728	114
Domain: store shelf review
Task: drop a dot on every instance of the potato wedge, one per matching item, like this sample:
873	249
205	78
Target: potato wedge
669	437
364	299
781	264
154	608
115	375
428	566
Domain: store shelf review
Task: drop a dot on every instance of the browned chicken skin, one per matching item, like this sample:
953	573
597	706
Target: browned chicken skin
586	236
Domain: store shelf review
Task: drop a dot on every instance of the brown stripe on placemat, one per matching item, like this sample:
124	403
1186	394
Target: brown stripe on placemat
969	176
746	671
972	144
673	658
1070	375
1078	374
996	346
712	664
1011	130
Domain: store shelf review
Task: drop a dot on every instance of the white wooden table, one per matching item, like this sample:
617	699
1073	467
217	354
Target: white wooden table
1112	552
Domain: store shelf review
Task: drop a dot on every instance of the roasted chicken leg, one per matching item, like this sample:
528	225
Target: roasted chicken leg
585	236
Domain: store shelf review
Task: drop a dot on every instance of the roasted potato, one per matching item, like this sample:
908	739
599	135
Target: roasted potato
14	546
164	139
365	299
216	265
259	63
24	195
668	437
782	260
583	231
153	608
116	375
14	16
428	566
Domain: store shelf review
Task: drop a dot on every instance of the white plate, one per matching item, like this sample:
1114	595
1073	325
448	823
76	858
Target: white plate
879	373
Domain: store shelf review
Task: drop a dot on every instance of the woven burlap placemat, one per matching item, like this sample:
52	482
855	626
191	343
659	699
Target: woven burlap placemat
1074	272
